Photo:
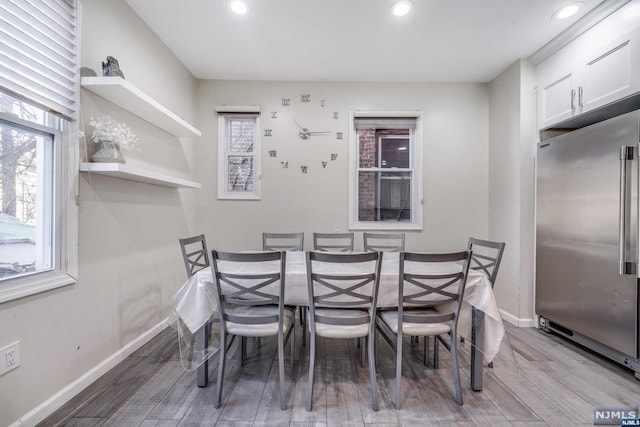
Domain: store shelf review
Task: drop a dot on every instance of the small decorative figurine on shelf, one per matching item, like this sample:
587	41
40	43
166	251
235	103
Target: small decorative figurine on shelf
111	68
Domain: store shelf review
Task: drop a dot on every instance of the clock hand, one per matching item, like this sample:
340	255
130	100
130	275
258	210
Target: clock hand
297	124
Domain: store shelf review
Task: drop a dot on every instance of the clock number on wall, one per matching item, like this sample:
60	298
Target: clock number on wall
274	114
285	102
338	135
322	102
305	97
335	115
267	132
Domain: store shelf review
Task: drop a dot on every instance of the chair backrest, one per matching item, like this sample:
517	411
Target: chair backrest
487	256
333	242
248	279
194	254
343	281
282	241
383	242
430	280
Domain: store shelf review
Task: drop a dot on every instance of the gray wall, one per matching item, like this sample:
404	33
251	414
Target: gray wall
129	262
511	181
455	160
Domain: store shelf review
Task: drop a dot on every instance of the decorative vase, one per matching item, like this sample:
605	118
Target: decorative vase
109	152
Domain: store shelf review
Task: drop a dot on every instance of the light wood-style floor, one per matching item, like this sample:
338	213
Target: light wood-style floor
538	380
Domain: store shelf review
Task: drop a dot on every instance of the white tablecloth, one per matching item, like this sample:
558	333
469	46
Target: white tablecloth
195	302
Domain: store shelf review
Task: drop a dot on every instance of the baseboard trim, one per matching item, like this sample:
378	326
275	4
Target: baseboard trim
46	408
516	321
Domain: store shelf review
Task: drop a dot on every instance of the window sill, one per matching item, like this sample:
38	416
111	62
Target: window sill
238	197
388	226
35	284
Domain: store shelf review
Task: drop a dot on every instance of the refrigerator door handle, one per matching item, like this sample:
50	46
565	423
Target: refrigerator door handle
624	267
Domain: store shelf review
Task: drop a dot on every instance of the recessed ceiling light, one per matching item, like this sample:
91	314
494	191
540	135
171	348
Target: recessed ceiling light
567	11
238	7
402	7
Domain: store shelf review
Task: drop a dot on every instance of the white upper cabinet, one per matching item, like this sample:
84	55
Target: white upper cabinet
557	97
609	75
570	86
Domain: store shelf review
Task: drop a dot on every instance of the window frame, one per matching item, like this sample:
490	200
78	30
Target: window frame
64	215
416	166
224	154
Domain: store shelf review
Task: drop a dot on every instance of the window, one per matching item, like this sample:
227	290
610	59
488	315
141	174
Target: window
238	154
37	216
385	171
38	155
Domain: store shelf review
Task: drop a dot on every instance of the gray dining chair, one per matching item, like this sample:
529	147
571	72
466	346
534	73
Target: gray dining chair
282	241
428	305
196	257
333	242
487	256
252	305
287	242
194	254
383	242
343	305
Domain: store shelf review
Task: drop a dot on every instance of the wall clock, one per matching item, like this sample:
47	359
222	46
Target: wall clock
305	118
304	127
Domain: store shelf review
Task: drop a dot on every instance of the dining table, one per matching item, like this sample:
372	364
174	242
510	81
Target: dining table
480	322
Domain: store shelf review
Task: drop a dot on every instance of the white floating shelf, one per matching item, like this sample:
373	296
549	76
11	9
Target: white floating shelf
123	94
123	171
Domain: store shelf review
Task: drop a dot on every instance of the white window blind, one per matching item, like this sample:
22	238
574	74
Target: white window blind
385	123
38	52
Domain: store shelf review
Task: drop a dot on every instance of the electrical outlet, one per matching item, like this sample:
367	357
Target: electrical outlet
9	357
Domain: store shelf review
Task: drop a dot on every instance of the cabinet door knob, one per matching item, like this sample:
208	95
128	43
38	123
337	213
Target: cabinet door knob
573	99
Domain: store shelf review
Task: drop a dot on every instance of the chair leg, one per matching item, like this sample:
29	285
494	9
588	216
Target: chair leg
223	358
243	350
490	365
283	403
363	351
376	343
372	372
303	324
312	361
436	351
456	371
293	343
398	399
426	351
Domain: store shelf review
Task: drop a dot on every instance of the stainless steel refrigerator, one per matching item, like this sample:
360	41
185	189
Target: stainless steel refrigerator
587	237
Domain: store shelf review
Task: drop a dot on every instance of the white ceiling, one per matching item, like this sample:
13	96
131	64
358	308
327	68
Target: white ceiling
354	40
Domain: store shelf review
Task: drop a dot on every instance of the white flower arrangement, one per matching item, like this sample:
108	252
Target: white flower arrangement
106	129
